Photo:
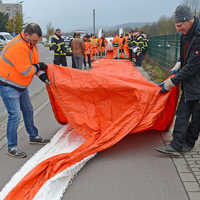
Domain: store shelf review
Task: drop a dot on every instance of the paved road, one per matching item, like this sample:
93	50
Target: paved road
131	170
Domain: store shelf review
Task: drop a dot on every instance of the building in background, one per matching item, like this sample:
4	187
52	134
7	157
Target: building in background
11	8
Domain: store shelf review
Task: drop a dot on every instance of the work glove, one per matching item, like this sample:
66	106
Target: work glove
176	68
40	66
166	85
138	53
43	77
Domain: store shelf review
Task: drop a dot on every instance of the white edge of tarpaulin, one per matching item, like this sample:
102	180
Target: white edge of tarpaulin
64	141
56	186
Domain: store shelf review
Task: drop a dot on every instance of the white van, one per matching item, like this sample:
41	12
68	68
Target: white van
5	37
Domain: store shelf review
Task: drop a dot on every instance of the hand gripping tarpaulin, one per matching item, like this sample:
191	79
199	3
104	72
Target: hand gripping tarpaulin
102	105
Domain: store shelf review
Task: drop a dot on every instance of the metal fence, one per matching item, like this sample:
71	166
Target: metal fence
164	49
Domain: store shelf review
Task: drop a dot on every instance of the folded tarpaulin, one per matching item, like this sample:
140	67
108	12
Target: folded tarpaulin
102	105
65	140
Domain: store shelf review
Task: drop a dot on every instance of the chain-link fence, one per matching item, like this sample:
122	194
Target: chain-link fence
164	49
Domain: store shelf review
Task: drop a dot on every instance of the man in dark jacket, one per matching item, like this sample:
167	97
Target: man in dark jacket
58	46
187	123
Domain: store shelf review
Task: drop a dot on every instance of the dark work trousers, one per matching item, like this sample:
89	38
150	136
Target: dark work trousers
139	59
130	54
187	124
73	63
60	60
88	59
84	61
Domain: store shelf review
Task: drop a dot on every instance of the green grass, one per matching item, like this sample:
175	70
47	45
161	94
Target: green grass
156	73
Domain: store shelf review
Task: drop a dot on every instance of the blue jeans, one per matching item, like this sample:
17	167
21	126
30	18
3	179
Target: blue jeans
14	101
78	59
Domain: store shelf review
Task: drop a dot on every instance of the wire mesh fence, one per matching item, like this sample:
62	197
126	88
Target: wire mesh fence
164	49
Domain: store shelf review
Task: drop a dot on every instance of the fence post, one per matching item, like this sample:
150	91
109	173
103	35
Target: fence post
177	46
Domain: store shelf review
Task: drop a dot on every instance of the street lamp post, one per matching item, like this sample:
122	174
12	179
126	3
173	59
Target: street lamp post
94	21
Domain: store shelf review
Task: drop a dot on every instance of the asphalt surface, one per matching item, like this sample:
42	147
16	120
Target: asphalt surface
130	170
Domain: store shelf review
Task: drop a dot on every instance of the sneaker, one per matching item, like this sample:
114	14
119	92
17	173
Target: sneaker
187	148
38	140
168	149
15	152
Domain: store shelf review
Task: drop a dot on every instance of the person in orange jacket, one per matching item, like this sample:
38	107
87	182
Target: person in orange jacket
116	44
125	46
102	44
121	46
94	45
87	51
19	62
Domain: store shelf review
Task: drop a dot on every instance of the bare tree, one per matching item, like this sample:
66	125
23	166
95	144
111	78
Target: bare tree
193	4
50	30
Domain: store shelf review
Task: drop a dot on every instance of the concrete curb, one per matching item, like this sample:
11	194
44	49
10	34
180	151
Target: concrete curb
188	168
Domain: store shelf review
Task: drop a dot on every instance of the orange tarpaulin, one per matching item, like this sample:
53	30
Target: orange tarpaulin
103	106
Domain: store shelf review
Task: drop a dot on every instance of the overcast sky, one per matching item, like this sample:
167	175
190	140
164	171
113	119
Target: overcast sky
77	14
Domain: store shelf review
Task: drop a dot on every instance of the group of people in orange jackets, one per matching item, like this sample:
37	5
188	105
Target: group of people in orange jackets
94	47
120	46
101	47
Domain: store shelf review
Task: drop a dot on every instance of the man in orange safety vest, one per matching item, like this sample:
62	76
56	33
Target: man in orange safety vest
19	62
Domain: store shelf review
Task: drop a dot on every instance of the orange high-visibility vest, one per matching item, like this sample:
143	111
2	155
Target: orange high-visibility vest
116	41
16	62
121	42
87	47
100	41
94	42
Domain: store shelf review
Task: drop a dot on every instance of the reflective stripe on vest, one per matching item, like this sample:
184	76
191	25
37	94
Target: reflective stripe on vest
10	63
4	51
60	54
5	60
13	42
11	72
27	71
11	83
